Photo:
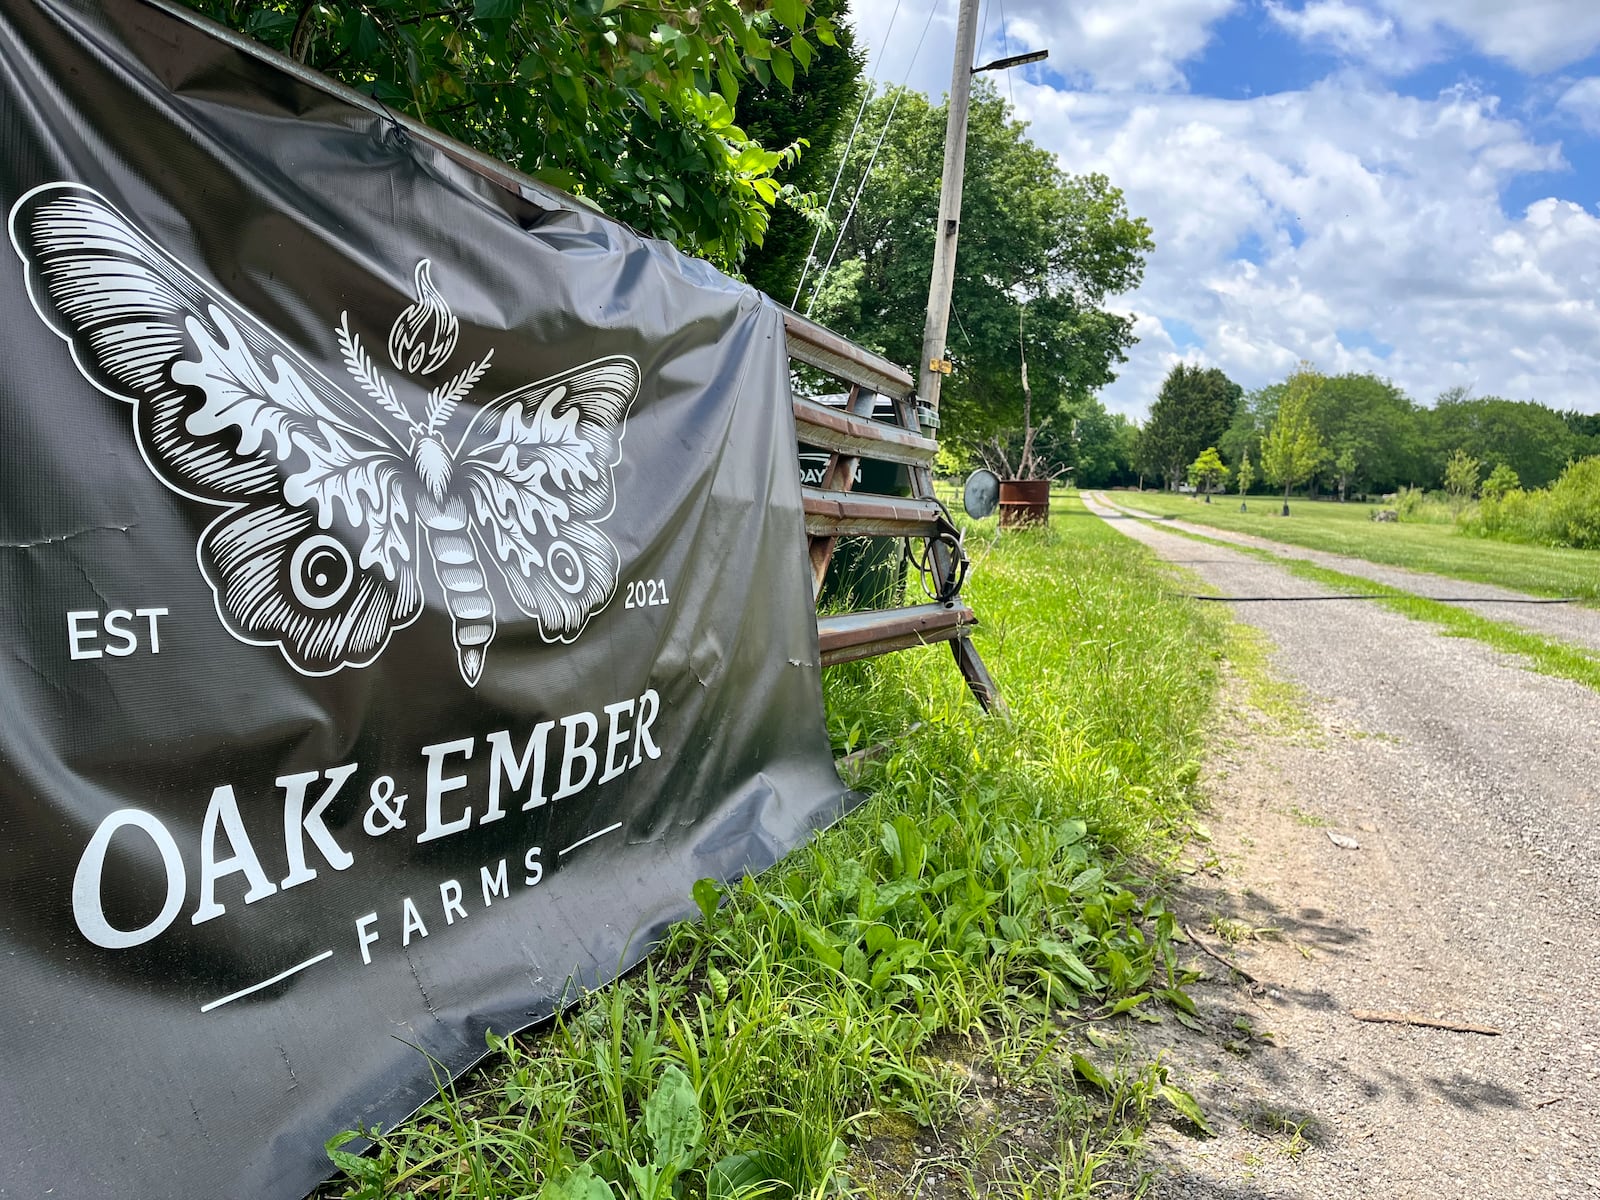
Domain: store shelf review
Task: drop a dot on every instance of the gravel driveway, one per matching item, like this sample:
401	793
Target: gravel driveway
1573	623
1472	788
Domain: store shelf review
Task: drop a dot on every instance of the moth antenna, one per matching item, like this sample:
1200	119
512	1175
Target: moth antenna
365	372
442	402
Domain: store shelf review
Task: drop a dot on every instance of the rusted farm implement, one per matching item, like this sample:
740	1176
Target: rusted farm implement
834	510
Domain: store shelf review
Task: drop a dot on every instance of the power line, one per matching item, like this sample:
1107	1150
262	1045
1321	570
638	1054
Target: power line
866	95
1005	52
865	175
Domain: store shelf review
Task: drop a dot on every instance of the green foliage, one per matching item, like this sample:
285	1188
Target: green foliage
819	110
984	887
580	1183
1585	430
1567	513
1195	407
1095	445
1252	416
1030	234
1380	441
630	104
1501	481
1245	474
1461	477
1207	472
1136	1094
1527	437
1372	427
1104	444
1344	467
1416	506
1292	450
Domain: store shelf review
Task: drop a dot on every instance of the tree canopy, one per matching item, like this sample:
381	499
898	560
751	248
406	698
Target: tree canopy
1031	235
1534	441
1103	444
819	108
1292	449
630	104
1377	439
1207	472
1370	431
1194	409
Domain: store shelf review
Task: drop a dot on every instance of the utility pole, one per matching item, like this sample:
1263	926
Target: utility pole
945	233
934	365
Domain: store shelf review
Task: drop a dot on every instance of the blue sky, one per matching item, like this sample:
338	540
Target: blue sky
1408	187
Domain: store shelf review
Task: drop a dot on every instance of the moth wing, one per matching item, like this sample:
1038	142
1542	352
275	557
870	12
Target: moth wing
228	413
538	466
280	580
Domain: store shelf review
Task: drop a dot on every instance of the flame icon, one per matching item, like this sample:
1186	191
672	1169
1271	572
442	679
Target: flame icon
423	336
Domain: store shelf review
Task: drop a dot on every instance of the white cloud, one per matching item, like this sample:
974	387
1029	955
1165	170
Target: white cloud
1347	28
1112	43
1103	43
1534	36
907	42
1331	223
1582	101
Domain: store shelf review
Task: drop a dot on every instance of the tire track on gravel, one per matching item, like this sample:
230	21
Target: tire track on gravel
1573	623
1471	786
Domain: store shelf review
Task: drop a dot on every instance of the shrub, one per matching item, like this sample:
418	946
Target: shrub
1501	481
1414	505
1461	478
1567	513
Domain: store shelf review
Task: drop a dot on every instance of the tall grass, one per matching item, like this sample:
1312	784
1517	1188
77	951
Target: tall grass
995	876
1416	506
1567	513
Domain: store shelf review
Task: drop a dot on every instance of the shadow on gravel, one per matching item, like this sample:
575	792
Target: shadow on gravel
1474	1095
1269	1104
1253	917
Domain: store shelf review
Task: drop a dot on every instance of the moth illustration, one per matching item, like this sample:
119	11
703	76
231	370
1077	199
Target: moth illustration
330	493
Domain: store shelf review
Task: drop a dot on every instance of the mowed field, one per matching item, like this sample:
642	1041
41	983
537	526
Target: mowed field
1349	529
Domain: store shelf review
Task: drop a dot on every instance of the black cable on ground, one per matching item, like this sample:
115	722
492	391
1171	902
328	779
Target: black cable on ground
1374	596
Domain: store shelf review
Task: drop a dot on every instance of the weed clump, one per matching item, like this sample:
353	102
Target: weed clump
1567	513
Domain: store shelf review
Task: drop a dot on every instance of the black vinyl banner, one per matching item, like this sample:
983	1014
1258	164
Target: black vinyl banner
402	599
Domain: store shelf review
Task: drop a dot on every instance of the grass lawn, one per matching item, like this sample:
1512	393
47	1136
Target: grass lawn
831	1015
1548	656
1349	529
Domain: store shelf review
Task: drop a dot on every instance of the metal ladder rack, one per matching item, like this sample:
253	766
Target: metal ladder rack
834	510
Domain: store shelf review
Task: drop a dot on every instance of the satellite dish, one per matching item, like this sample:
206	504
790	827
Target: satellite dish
981	495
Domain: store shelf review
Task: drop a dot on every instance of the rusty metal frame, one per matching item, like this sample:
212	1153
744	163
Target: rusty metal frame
850	636
833	511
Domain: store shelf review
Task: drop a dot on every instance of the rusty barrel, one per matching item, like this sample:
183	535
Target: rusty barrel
1024	502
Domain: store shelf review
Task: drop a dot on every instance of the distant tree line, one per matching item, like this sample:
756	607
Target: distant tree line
1369	436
